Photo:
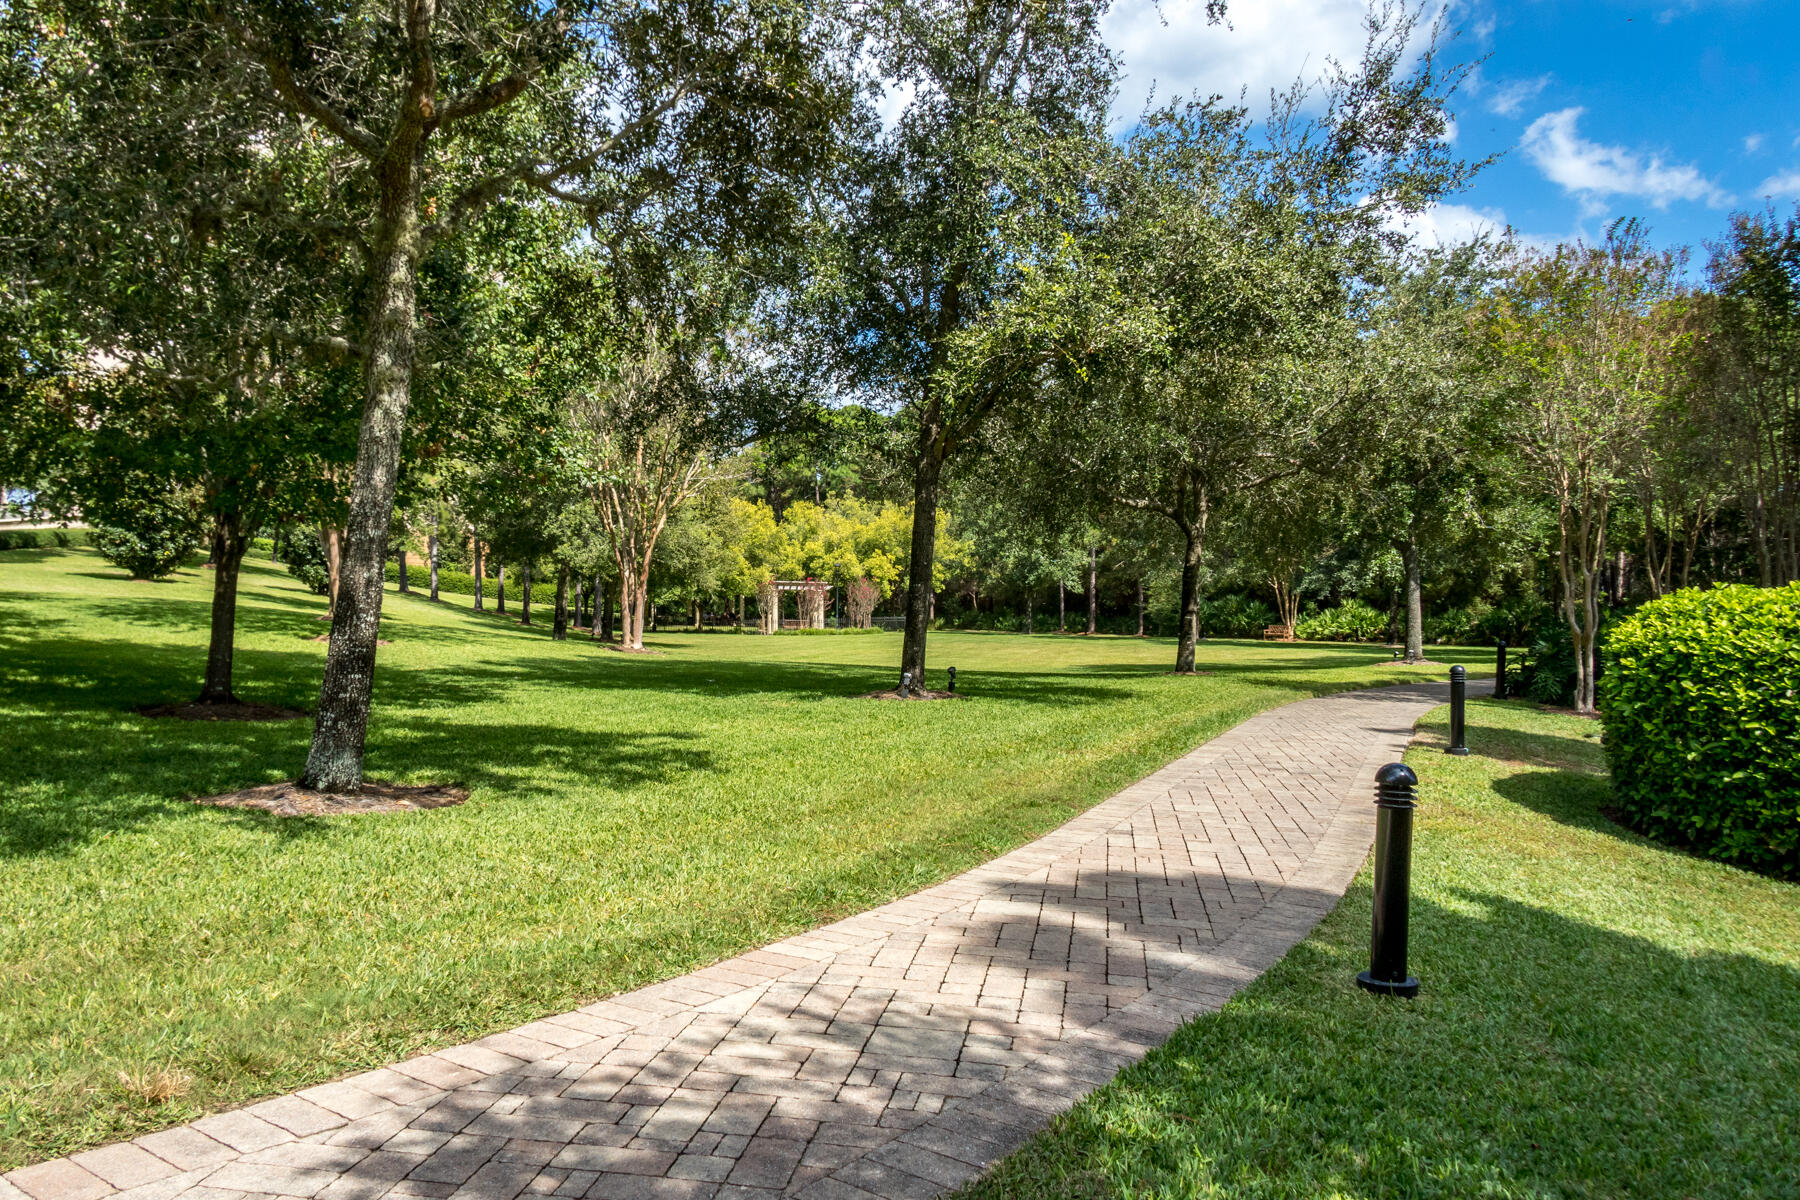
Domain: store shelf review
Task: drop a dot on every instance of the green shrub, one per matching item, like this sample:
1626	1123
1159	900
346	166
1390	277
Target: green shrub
152	531
19	539
1701	704
1351	621
303	554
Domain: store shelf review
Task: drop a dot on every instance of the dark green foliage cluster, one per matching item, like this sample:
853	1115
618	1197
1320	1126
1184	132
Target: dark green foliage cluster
149	532
1234	615
1547	670
1701	702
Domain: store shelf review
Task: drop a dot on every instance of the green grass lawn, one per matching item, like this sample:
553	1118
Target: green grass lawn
630	818
1601	1017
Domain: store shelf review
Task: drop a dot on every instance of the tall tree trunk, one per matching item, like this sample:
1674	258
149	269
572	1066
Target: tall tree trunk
1193	547
559	627
229	542
525	594
401	553
334	761
500	589
1140	584
476	544
640	606
927	471
1029	603
697	625
1415	602
1062	608
432	552
602	611
1093	591
331	541
580	617
740	612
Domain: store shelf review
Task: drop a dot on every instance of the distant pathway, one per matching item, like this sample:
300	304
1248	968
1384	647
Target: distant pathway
894	1054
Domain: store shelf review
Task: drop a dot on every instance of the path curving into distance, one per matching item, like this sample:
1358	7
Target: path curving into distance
894	1054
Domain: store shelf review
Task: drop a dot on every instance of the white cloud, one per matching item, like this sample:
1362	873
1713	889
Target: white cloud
1786	183
1594	172
1266	46
1449	224
1753	143
1510	98
896	97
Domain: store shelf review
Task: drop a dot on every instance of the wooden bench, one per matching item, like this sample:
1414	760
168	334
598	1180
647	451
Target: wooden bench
1278	633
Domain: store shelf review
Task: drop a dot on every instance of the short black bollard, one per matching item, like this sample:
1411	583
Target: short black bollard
1500	670
952	679
1459	687
1394	804
905	684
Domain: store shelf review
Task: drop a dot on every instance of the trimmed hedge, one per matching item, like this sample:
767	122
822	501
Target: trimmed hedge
459	583
39	539
1701	705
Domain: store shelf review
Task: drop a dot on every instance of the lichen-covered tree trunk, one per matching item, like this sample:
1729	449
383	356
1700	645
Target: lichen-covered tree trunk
229	542
334	762
401	555
602	611
475	551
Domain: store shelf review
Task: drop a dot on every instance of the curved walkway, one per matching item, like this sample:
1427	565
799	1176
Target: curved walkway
894	1054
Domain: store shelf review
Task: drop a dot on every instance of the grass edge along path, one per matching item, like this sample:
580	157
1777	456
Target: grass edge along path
1600	1016
630	819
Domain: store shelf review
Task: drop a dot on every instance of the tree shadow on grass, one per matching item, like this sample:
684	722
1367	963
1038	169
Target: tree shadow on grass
87	773
1545	1056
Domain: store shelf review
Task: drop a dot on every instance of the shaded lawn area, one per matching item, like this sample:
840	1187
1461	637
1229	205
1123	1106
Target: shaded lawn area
630	818
1600	1017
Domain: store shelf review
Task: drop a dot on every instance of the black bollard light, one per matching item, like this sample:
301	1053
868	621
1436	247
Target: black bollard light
1395	799
1459	686
905	684
1500	670
952	679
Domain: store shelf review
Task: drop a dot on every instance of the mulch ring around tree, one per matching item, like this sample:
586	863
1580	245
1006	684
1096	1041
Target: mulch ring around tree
291	800
914	694
235	710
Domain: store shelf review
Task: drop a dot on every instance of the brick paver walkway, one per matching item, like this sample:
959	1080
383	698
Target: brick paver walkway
894	1054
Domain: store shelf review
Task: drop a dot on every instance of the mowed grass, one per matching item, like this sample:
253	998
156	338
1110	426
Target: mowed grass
1600	1017
630	818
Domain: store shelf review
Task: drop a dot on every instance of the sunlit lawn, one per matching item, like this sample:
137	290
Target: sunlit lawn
630	818
1601	1017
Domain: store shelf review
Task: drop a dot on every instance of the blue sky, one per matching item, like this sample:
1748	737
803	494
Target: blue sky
1676	112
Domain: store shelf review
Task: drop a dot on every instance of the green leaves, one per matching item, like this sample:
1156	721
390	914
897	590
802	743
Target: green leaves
1701	703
